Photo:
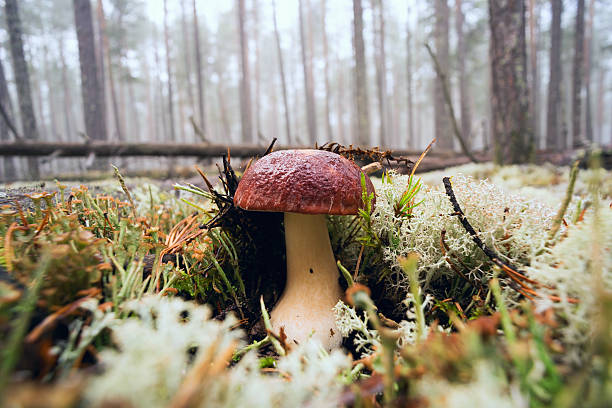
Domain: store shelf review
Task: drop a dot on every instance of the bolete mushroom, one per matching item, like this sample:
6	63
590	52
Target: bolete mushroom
305	185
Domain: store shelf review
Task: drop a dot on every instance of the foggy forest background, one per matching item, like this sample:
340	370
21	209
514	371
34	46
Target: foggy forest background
247	71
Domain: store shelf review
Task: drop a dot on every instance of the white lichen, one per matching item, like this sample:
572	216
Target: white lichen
514	227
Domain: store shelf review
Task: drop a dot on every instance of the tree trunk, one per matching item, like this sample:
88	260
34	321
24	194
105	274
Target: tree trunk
553	118
93	102
379	58
99	35
187	54
198	60
282	74
311	115
578	138
50	96
464	96
510	99
411	140
8	163
588	49
361	90
169	71
442	125
245	80
328	126
160	111
67	100
111	79
340	102
533	69
22	79
601	89
255	11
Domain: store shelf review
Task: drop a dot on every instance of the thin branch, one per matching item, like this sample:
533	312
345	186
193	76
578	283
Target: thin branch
511	271
9	123
449	103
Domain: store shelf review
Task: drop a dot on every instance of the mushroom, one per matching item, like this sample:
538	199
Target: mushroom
305	185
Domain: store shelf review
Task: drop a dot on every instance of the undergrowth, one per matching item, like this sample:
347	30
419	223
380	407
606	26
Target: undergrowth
138	297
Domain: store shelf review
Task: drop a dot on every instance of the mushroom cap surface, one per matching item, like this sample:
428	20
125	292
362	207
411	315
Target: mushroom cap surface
302	181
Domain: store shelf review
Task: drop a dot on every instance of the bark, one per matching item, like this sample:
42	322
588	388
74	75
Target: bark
379	57
245	80
93	102
442	124
109	65
361	90
411	139
533	71
588	48
554	134
198	61
282	74
169	71
510	99
22	78
577	135
8	163
464	96
311	115
328	126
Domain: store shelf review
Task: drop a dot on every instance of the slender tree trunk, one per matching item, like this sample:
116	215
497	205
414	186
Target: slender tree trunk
601	89
578	138
50	96
169	71
161	111
510	99
442	125
100	34
553	118
256	68
588	49
38	101
361	90
533	68
8	163
187	55
245	81
330	135
68	118
379	57
411	139
340	101
282	74
464	96
198	61
93	102
311	115
109	65
22	79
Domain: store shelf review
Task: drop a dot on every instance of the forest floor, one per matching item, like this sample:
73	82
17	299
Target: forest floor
111	293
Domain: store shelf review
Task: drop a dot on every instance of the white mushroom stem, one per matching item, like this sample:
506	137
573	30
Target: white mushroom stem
312	290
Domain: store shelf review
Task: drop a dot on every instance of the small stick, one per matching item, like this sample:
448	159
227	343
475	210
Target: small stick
568	197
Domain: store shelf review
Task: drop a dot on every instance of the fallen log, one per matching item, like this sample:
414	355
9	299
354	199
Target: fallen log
103	149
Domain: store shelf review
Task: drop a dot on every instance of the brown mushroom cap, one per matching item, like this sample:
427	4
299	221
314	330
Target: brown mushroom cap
302	181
